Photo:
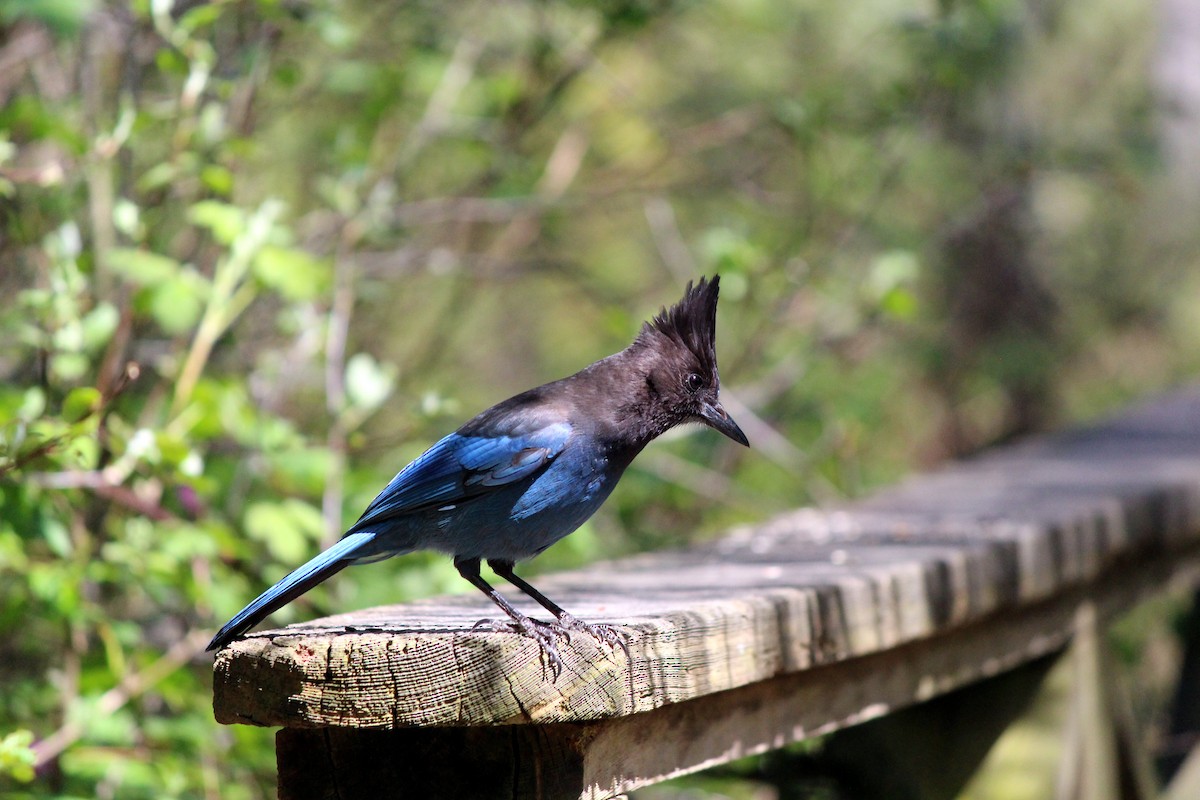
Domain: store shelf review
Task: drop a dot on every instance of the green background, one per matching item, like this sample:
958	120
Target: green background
328	232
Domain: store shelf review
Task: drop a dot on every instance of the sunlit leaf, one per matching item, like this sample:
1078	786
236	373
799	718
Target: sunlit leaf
368	383
160	175
98	326
302	470
226	222
218	179
80	403
113	728
142	267
292	272
127	217
199	17
176	305
287	528
33	404
57	538
172	448
16	755
69	367
64	17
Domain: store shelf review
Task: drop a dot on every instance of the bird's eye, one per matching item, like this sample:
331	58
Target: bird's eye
693	382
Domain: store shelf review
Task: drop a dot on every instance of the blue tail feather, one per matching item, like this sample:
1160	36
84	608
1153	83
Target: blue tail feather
299	581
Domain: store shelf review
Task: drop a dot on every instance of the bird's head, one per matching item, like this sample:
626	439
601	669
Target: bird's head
679	353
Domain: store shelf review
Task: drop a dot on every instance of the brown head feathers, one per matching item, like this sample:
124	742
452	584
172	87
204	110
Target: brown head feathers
691	323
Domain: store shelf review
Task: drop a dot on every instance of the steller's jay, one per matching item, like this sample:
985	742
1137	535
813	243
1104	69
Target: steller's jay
530	470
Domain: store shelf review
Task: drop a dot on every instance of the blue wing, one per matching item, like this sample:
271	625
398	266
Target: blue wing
462	466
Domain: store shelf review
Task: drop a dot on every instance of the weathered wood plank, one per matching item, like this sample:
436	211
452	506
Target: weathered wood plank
606	758
974	547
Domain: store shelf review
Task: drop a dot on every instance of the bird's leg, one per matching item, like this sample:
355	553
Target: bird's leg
542	633
605	634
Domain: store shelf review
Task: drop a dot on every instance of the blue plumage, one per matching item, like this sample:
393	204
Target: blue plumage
460	468
530	470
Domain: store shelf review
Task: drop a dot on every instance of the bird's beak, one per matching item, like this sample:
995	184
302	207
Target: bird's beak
718	418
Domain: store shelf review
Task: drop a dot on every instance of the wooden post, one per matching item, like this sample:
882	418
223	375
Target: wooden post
1184	729
1102	760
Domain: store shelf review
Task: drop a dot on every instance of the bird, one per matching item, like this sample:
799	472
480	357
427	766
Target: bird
528	471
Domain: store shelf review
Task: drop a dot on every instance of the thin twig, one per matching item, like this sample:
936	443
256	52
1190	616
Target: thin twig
131	686
105	484
562	167
228	297
335	393
437	111
668	238
770	442
695	478
465	209
130	374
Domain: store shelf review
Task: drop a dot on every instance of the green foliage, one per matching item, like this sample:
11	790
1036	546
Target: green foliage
258	255
16	756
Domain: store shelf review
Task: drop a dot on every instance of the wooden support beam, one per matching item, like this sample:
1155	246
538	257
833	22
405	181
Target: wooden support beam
1185	783
929	751
1103	760
1183	730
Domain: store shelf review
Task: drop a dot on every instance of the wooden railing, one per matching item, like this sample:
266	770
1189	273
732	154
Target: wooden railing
929	612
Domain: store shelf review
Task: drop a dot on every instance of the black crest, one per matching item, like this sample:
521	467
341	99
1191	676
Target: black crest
692	322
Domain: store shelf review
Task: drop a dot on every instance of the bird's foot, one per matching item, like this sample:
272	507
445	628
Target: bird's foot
610	635
545	634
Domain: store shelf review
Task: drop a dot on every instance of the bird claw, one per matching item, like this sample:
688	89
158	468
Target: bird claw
545	634
498	626
609	635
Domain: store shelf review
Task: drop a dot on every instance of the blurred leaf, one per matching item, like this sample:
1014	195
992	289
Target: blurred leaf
890	284
226	222
99	324
177	304
84	452
33	404
142	266
69	367
293	273
65	17
288	528
900	303
159	176
727	251
57	538
218	179
368	383
112	727
69	337
16	755
172	448
127	218
81	403
892	269
300	470
198	17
